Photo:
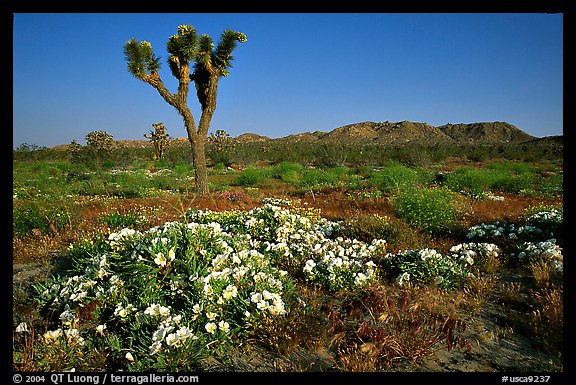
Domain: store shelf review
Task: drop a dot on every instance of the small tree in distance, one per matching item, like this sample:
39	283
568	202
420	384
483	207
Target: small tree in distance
209	64
221	144
160	139
100	140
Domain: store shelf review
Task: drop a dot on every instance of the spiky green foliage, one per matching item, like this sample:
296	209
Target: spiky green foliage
182	48
141	59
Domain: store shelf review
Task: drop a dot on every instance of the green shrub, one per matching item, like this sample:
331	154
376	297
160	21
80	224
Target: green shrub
470	181
116	220
393	177
318	178
42	215
287	172
250	176
551	185
432	210
514	184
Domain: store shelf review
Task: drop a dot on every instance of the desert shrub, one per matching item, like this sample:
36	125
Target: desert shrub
116	220
168	181
46	214
380	327
251	176
26	217
470	181
432	210
368	227
183	169
312	179
392	177
514	184
426	267
415	157
287	172
551	185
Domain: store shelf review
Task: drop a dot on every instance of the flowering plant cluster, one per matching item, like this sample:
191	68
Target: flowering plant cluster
428	266
501	230
302	244
540	225
472	252
538	236
543	218
547	252
167	295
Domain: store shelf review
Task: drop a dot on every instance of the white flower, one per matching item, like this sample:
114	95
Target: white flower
171	254
360	279
22	327
309	266
164	311
224	326
152	310
402	278
230	292
100	329
129	357
52	334
183	333
159	334
155	347
210	327
160	260
172	340
256	297
208	291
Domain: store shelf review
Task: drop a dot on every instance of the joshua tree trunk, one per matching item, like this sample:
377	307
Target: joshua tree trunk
200	172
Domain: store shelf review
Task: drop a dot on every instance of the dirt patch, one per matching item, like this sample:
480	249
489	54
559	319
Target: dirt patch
509	209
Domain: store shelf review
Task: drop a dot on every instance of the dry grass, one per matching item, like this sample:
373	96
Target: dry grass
383	325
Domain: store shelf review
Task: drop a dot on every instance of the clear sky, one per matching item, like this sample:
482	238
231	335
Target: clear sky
297	72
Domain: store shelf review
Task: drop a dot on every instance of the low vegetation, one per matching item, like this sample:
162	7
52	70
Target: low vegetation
350	267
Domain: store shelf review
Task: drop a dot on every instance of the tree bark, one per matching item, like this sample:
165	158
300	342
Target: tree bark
200	170
197	139
197	143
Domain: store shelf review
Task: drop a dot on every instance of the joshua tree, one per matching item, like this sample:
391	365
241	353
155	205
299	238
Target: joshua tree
221	144
100	140
209	64
160	139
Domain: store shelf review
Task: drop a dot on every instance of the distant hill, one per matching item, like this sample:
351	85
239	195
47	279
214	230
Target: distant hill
397	133
391	133
487	132
249	138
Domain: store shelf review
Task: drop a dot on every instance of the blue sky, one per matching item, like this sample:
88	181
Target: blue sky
297	72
